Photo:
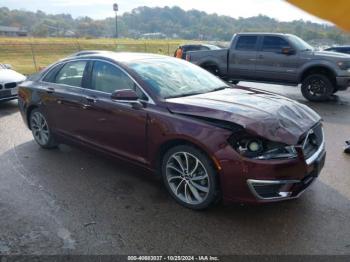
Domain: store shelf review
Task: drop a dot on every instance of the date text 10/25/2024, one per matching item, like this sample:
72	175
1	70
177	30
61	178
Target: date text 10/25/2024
174	258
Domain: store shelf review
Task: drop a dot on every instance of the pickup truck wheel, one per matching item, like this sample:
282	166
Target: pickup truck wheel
317	87
212	69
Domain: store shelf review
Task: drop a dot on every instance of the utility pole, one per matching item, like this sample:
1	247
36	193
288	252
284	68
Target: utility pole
115	9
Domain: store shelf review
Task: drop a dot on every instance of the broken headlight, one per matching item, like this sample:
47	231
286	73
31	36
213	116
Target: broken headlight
259	148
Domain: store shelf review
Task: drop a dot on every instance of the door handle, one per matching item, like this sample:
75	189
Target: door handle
261	56
50	90
91	99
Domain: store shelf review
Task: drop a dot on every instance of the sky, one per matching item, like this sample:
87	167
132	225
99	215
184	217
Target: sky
98	9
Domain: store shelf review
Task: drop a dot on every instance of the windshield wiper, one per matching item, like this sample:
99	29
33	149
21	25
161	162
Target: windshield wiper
198	93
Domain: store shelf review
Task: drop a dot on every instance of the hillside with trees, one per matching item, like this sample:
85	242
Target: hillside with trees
173	22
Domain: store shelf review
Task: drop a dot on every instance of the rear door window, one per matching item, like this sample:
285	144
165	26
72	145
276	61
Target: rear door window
71	74
51	75
247	43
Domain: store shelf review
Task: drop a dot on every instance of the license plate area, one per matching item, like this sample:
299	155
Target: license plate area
14	91
5	93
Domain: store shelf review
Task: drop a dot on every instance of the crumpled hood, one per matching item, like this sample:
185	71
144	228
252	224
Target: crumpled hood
268	115
9	76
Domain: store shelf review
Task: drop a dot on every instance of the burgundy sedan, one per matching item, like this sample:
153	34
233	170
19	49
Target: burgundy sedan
208	140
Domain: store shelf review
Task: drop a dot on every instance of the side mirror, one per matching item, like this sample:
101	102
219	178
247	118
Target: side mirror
126	95
8	66
288	51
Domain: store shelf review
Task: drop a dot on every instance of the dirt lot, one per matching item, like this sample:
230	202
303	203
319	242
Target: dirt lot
71	202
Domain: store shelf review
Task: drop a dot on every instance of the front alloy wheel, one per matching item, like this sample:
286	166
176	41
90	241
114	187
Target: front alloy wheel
190	177
40	130
317	88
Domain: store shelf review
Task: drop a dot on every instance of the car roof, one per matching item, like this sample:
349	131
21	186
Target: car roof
122	57
88	52
263	33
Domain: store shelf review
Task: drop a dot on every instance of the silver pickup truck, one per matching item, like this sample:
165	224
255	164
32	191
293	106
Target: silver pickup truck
278	58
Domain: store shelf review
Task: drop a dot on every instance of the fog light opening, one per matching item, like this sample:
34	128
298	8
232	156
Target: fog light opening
272	189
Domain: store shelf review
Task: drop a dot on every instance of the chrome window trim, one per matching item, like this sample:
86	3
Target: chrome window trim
149	101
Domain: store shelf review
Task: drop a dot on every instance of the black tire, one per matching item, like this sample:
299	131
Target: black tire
48	143
317	88
210	183
212	69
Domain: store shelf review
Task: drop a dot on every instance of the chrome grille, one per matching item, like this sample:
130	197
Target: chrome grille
10	85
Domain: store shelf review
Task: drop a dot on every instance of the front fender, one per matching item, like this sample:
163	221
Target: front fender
164	129
317	64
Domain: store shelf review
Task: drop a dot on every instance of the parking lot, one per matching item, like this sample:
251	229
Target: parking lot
68	201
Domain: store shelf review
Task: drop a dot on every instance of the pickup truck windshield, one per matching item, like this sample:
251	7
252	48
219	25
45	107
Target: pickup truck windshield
299	43
170	78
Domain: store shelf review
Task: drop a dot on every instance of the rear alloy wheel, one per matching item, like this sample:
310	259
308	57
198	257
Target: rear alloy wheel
317	88
190	177
40	130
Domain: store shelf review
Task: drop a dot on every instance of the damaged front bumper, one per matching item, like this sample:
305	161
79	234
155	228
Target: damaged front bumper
8	91
263	181
276	190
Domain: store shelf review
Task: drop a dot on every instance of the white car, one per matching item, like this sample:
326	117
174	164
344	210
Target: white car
9	80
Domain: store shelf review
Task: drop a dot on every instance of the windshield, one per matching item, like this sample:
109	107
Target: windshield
170	77
299	43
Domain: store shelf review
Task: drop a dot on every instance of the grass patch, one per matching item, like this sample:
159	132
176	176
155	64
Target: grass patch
27	55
